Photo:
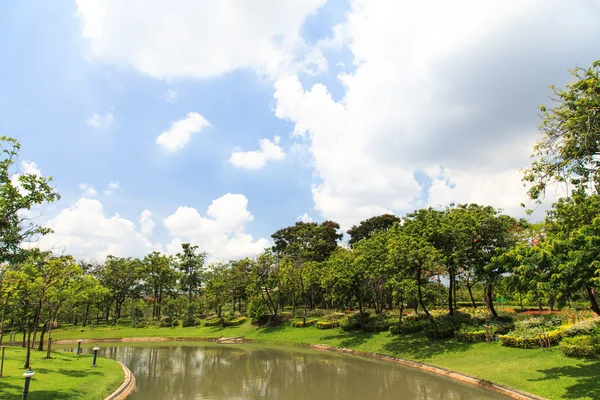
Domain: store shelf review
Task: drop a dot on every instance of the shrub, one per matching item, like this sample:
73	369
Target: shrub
529	339
477	333
447	325
235	322
256	310
301	324
581	346
335	316
581	328
470	336
350	322
326	324
317	312
377	323
286	315
212	322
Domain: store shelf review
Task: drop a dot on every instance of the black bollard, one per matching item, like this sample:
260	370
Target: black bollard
96	348
79	346
28	375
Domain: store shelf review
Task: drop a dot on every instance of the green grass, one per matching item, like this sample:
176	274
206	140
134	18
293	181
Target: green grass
545	373
64	376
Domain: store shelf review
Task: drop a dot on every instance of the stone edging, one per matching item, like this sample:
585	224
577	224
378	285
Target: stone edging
126	387
456	376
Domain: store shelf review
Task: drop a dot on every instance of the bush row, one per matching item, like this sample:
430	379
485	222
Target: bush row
530	341
581	346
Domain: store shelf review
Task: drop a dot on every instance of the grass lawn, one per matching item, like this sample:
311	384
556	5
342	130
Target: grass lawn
545	373
64	376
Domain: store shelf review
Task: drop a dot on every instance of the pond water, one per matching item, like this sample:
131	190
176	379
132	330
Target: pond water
216	372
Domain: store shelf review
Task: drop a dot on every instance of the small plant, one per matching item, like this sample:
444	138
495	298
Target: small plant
326	324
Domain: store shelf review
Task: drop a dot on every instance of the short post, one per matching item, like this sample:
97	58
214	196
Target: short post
2	362
49	348
28	375
96	348
79	346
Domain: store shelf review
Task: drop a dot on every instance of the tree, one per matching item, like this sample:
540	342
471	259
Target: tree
574	233
190	264
19	192
307	241
412	253
159	278
570	137
370	226
121	276
218	288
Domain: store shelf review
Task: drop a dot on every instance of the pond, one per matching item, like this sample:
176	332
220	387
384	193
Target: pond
251	371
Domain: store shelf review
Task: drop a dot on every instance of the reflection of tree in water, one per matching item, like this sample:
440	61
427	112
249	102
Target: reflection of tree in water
231	372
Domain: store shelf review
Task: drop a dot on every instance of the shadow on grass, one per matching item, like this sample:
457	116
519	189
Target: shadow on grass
55	394
585	374
77	374
420	347
351	339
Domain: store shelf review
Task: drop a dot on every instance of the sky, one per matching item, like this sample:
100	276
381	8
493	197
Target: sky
219	123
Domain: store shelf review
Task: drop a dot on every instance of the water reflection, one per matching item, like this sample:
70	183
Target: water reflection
209	371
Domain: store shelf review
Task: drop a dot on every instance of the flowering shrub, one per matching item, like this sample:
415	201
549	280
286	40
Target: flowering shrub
581	346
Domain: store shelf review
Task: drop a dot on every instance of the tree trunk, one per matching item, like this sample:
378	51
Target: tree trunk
593	301
401	300
44	329
2	320
469	289
87	313
490	299
431	319
451	293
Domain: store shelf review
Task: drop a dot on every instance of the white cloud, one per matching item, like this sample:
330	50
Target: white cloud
112	188
304	218
147	225
98	121
446	84
88	190
84	231
257	159
30	167
178	135
171	96
220	232
200	38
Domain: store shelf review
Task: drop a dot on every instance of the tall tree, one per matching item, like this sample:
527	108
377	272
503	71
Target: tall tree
370	226
121	276
19	192
159	278
568	149
307	241
190	263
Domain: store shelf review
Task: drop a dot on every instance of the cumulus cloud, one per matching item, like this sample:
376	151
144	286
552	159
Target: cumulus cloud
88	190
85	231
221	232
304	218
451	85
30	168
257	159
199	38
98	121
147	224
178	135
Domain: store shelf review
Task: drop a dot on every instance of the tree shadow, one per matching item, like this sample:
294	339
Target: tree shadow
586	376
420	347
351	339
77	374
55	394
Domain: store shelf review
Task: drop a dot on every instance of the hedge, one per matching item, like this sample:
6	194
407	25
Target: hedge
470	336
212	322
300	324
326	324
531	341
235	321
580	346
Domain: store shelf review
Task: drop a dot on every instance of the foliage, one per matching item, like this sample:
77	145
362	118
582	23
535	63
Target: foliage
302	324
326	324
368	227
19	192
581	346
530	338
570	137
582	328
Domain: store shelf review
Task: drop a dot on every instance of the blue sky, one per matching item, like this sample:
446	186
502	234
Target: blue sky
364	108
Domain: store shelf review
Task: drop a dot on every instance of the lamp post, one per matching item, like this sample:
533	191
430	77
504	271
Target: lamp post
96	348
79	346
2	362
28	375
